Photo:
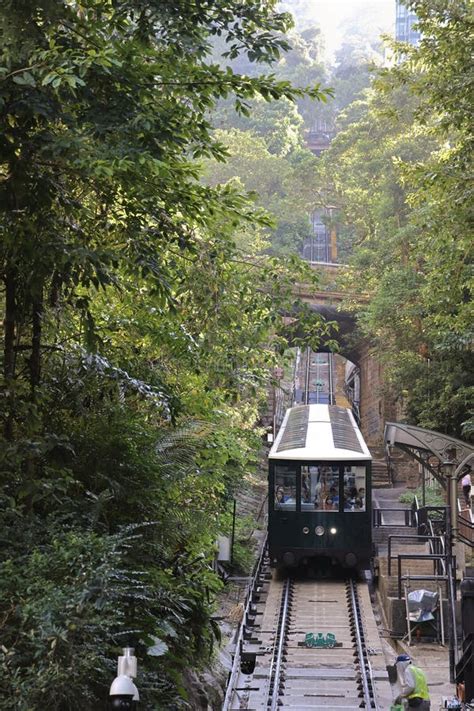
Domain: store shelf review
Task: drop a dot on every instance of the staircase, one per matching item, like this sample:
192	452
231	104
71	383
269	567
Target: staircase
380	536
380	472
389	584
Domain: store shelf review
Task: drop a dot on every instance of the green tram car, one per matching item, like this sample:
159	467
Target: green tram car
320	491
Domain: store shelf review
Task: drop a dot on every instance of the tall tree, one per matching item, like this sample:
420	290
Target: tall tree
112	252
401	168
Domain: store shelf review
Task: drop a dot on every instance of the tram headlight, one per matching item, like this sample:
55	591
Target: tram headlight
333	530
319	530
306	530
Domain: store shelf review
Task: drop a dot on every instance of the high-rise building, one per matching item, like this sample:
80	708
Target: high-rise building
405	19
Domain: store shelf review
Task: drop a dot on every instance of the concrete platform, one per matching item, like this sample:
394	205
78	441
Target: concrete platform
431	657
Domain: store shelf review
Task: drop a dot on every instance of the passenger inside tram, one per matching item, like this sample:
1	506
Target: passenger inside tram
320	488
285	488
332	500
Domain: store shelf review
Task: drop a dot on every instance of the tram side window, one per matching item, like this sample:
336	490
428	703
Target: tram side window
354	488
285	488
319	488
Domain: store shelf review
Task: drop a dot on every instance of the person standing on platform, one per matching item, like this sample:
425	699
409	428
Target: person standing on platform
413	685
466	488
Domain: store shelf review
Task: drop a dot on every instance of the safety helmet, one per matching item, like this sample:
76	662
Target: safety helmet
403	658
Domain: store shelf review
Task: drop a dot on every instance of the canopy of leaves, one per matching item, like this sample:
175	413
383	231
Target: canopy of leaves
402	173
138	335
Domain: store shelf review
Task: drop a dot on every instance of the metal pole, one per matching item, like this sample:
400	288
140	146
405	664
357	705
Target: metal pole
424	484
441	613
454	507
233	532
274	409
451	489
407	611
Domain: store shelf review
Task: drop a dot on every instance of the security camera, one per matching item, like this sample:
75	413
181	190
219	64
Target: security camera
123	692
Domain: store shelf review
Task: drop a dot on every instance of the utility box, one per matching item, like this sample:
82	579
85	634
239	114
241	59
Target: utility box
467	606
465	666
223	548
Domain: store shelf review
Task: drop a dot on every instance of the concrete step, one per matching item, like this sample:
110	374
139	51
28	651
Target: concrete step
391	587
409	567
380	534
380	474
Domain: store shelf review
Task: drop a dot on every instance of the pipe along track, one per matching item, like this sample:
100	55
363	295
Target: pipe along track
273	669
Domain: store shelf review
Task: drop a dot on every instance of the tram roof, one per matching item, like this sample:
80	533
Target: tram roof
319	432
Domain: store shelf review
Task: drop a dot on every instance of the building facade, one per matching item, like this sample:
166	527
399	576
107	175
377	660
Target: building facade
405	20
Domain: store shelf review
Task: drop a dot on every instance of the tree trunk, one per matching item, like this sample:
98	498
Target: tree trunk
9	345
35	361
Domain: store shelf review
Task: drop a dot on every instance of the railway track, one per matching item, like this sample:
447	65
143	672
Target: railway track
273	669
315	378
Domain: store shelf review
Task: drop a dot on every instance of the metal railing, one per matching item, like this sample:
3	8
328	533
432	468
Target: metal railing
378	522
389	463
465	666
465	526
436	547
430	518
419	556
437	520
252	592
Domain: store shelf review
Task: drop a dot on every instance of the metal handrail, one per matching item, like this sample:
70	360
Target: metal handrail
415	510
259	565
417	556
389	461
453	637
377	517
467	523
331	378
447	563
466	657
438	543
400	537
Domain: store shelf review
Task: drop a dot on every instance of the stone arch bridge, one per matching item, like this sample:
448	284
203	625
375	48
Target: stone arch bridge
376	406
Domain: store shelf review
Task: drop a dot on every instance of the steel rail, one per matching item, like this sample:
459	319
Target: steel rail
364	663
307	376
275	666
233	675
331	378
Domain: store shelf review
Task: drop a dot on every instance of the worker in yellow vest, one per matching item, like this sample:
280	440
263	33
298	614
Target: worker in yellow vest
412	681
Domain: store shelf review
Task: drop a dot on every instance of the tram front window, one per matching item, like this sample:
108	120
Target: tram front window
354	488
319	488
285	488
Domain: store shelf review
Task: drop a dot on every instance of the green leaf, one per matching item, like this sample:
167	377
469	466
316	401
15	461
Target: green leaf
158	649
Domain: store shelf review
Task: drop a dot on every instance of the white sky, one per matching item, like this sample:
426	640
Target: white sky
330	14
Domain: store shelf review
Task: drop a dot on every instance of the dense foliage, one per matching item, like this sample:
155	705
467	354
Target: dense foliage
151	178
141	321
401	169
